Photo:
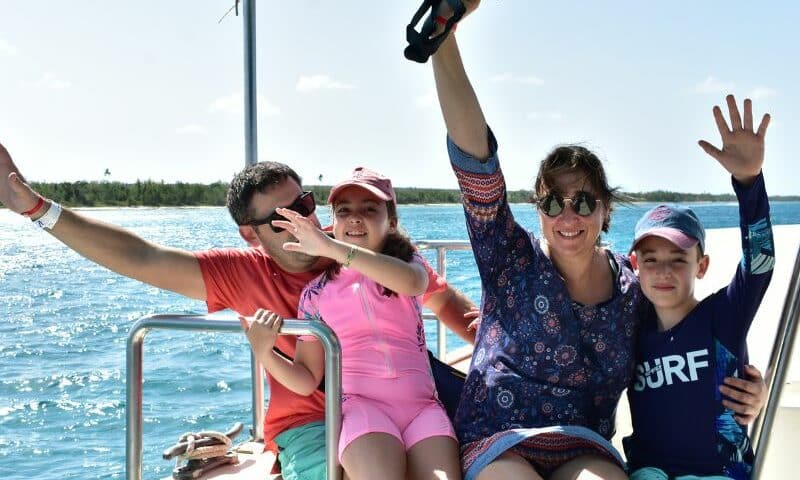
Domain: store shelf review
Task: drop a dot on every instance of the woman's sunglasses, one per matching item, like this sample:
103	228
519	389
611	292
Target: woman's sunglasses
304	204
583	203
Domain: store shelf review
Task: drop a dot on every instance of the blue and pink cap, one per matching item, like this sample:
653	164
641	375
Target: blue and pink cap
677	224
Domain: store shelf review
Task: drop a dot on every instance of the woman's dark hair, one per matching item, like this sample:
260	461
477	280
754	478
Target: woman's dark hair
260	177
397	245
576	159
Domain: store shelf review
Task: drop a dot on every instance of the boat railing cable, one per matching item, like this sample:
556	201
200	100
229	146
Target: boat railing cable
230	324
777	369
441	247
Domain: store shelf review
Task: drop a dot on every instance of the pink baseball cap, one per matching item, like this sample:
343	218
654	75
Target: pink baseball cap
369	180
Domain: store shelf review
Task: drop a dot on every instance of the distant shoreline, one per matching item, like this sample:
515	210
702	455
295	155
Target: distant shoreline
159	194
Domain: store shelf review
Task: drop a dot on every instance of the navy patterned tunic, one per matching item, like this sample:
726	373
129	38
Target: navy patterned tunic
540	359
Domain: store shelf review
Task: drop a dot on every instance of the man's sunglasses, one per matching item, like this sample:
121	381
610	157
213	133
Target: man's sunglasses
304	204
552	205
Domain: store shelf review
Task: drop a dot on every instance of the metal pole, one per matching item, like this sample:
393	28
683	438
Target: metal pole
250	95
778	368
133	407
333	386
133	404
441	329
258	399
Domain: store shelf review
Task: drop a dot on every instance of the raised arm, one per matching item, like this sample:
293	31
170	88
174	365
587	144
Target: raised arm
462	113
108	245
402	277
742	155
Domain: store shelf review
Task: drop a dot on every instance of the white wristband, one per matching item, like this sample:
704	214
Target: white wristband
50	217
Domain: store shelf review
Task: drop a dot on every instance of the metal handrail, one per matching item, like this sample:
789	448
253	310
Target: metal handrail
441	247
778	368
133	385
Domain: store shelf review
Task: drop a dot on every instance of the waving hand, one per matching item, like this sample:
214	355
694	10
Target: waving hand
742	151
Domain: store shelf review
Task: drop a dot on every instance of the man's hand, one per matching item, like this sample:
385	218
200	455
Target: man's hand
748	396
15	194
474	316
742	151
262	330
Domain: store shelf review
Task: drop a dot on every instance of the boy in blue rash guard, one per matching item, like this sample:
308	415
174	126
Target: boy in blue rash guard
686	347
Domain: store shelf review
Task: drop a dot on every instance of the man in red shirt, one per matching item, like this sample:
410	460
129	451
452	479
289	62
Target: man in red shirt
242	279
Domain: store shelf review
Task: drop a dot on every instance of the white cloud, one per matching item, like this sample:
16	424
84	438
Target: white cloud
759	93
551	116
517	79
6	48
50	81
713	85
426	101
191	129
234	103
308	83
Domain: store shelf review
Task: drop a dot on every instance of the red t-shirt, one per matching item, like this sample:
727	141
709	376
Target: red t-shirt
246	279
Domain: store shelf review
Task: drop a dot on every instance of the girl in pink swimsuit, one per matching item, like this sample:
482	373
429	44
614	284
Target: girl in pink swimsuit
393	426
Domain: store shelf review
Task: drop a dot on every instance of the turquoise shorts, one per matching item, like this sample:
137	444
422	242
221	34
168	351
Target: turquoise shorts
652	473
301	452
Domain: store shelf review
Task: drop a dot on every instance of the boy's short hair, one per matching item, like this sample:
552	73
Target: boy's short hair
675	223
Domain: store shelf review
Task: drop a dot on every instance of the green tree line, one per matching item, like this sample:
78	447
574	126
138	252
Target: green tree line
150	193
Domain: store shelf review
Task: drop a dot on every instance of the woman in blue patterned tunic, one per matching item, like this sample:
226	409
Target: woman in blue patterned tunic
555	345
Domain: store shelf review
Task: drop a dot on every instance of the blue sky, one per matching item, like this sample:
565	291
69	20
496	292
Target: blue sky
152	89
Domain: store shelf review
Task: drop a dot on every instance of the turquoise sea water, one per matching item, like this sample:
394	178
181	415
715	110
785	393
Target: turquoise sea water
64	323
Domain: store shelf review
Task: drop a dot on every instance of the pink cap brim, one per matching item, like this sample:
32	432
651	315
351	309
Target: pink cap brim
351	183
675	236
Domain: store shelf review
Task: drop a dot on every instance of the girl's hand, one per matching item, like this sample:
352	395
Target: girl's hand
262	330
310	239
742	151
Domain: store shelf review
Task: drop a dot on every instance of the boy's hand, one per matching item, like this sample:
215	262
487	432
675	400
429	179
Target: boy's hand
262	330
748	395
742	151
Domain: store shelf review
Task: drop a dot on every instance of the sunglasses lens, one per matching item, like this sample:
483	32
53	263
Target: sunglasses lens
305	204
584	204
551	205
272	218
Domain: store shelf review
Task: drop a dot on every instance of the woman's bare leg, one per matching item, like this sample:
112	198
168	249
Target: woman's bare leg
509	466
589	467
